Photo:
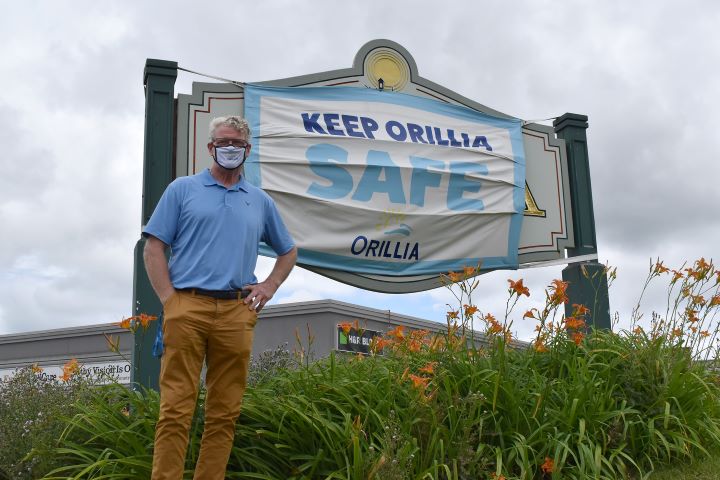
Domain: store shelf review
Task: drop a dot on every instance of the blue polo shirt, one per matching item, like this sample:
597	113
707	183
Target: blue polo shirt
214	232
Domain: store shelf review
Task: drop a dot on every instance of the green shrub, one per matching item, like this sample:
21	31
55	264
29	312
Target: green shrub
109	437
574	404
269	363
113	433
32	411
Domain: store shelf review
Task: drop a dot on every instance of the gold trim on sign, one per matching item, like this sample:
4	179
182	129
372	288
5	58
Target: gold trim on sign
531	207
390	66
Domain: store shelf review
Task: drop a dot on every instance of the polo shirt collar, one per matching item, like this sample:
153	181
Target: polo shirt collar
208	180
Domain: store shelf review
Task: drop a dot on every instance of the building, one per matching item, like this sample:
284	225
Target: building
309	326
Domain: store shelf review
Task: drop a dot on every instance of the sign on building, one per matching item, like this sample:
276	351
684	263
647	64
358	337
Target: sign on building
96	372
356	340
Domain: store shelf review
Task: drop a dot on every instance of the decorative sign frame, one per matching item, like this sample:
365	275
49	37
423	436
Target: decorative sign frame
547	227
558	222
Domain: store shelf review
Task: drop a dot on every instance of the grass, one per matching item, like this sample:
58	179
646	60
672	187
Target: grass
702	469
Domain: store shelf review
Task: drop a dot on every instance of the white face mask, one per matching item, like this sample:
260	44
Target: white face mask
230	157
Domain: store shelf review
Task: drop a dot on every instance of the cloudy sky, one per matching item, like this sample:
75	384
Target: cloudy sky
71	126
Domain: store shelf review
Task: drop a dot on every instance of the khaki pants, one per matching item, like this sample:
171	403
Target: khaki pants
195	328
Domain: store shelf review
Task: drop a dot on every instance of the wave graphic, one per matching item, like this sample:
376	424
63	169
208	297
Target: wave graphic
403	229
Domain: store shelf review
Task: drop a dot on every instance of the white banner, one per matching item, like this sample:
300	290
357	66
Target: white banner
98	372
387	183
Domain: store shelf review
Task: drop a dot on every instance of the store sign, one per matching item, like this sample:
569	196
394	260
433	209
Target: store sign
356	340
387	183
97	372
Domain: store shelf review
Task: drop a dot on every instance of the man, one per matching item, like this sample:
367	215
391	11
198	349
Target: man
213	223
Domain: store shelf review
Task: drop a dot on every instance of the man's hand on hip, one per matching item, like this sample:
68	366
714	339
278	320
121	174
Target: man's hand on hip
260	293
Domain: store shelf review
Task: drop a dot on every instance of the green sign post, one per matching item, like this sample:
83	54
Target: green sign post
159	81
588	280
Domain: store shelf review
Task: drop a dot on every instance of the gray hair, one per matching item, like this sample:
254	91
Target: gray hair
232	121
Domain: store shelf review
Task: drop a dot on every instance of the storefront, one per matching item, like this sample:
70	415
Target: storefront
313	327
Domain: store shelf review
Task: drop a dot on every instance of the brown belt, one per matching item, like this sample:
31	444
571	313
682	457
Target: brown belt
218	294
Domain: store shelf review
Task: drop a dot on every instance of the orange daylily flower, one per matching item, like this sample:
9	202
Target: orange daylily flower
540	346
702	268
692	315
699	272
660	268
418	381
574	323
704	333
397	332
638	330
379	343
70	369
530	313
429	368
470	310
345	326
676	276
577	337
494	325
548	466
36	368
414	346
145	319
494	476
495	328
418	334
518	288
579	309
677	332
469	271
697	299
455	277
715	300
453	314
559	294
126	323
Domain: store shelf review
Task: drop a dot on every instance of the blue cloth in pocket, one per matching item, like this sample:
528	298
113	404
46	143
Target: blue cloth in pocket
158	346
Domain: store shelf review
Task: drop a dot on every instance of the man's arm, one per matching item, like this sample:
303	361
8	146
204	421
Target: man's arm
262	292
157	268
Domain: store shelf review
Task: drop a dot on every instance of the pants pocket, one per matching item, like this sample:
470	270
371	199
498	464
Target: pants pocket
169	299
253	317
